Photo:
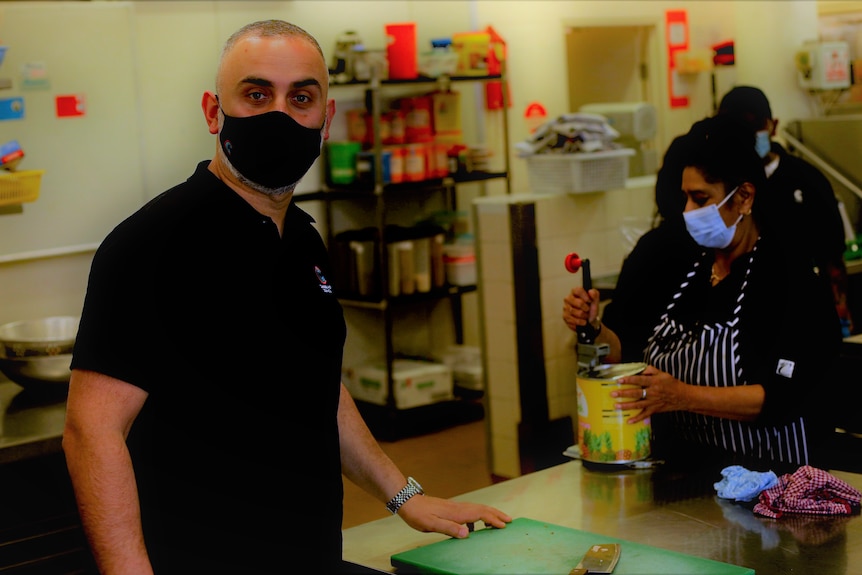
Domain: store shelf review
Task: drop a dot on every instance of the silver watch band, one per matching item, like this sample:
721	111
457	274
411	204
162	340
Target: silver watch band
412	488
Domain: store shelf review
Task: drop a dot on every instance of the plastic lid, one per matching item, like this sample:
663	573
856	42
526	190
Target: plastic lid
441	42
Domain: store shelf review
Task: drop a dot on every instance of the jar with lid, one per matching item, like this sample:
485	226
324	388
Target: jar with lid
441	60
361	63
342	69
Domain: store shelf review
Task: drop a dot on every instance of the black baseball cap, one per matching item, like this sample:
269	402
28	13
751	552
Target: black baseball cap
746	103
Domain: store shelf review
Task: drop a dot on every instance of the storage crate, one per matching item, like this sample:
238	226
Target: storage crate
579	172
416	383
17	187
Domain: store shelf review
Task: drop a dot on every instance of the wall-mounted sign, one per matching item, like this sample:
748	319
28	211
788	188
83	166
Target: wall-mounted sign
676	29
70	106
11	108
535	115
34	76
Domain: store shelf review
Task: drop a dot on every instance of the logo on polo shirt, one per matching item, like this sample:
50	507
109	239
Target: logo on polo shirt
785	368
324	285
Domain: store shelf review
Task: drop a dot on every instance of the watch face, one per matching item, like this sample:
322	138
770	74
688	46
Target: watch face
414	483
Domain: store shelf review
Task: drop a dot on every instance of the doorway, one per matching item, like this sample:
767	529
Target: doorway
615	64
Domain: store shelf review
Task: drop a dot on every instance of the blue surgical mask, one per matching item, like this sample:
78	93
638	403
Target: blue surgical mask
762	143
707	227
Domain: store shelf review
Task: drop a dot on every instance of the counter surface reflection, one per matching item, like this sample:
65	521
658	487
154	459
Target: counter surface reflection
671	510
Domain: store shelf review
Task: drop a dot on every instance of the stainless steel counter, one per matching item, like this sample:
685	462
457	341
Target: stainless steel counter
671	511
30	425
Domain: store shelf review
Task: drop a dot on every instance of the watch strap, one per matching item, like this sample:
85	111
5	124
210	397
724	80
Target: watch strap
412	488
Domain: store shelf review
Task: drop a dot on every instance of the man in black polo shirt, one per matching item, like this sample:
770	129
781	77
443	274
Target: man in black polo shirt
207	428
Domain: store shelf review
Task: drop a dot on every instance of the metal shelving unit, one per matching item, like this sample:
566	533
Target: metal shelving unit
388	421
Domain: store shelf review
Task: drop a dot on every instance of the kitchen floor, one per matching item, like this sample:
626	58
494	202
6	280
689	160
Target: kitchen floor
447	463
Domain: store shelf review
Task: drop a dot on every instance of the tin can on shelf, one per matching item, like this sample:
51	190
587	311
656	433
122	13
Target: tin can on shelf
415	162
604	436
396	163
395	121
417	119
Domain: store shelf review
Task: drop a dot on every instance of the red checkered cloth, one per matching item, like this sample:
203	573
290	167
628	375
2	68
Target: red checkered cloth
809	491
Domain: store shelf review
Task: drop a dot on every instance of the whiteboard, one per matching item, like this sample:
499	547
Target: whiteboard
93	175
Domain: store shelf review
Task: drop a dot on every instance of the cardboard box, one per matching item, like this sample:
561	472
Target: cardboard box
472	49
416	383
479	53
466	364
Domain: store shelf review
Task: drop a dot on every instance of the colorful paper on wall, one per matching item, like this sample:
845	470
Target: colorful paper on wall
11	108
72	105
676	28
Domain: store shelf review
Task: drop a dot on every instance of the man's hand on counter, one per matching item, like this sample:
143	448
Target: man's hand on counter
431	514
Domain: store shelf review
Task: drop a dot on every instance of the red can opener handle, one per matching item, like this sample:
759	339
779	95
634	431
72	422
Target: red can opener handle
586	333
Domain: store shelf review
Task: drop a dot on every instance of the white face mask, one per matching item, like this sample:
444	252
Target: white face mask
707	227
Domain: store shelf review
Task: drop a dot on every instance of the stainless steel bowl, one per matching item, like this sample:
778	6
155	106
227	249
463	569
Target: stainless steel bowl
36	353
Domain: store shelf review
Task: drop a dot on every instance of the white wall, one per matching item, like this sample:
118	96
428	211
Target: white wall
150	112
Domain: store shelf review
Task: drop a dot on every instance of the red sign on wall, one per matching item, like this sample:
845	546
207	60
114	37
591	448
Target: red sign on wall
70	106
676	29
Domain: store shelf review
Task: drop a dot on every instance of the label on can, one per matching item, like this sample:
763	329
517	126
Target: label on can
441	161
604	436
396	128
396	164
417	119
415	162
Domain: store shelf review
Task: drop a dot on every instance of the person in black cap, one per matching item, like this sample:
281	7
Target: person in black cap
799	198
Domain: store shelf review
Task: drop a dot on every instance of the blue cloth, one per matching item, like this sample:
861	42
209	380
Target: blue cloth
740	484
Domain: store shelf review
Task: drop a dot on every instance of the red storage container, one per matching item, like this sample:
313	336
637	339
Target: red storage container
401	51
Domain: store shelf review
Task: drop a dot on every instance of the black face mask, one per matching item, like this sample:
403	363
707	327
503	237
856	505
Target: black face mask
271	149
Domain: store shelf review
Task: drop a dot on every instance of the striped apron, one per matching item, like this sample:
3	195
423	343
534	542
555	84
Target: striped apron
709	355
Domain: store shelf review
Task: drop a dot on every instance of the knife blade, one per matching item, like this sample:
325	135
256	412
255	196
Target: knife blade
601	558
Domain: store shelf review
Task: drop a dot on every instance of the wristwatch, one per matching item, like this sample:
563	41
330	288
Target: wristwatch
412	488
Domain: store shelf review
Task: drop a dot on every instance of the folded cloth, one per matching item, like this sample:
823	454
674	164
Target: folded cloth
740	484
810	491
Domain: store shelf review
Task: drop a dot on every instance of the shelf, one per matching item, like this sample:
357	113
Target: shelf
393	424
381	304
354	191
358	191
418	80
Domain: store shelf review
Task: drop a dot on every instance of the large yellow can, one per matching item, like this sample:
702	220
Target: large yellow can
603	434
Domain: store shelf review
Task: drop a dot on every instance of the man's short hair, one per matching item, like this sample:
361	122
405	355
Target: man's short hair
746	103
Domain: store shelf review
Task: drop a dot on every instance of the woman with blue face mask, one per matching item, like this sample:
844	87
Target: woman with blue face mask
735	360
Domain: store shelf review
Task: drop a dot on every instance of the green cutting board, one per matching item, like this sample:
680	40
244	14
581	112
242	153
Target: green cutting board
529	547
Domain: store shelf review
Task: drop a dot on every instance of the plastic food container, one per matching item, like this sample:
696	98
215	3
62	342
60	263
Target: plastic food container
460	263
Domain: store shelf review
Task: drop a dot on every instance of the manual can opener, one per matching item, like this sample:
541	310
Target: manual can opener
590	353
601	558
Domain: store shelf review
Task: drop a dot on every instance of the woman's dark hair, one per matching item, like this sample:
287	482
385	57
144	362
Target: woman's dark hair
669	198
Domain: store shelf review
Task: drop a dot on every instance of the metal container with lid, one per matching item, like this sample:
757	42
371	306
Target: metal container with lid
604	436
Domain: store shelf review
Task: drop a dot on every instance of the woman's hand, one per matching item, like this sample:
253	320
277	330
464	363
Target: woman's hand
580	307
657	391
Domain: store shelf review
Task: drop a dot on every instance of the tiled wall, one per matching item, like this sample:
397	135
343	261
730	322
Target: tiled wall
589	224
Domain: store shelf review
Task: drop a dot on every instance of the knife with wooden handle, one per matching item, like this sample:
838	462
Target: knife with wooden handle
600	558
